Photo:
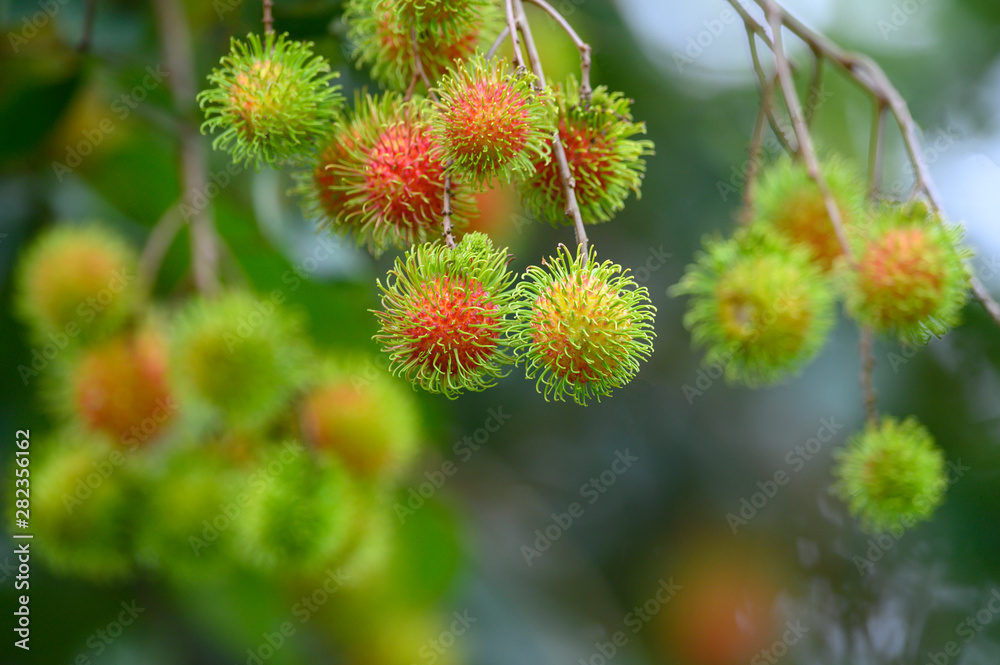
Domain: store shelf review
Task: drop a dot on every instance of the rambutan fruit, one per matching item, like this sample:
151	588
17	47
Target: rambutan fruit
297	519
240	357
121	387
582	327
77	282
271	99
364	418
787	200
910	280
381	179
891	474
605	159
443	315
447	31
760	306
85	501
492	124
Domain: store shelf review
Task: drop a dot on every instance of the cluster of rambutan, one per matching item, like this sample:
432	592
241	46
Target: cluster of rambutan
203	435
762	304
402	168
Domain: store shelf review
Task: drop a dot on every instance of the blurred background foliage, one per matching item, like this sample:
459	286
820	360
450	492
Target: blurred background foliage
699	455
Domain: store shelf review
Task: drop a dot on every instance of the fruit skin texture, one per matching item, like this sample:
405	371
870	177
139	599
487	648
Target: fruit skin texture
581	327
366	420
493	124
788	201
443	315
85	505
77	280
381	179
891	473
606	162
760	306
122	388
911	281
271	99
240	357
381	31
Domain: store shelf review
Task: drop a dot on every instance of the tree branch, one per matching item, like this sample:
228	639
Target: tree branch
504	34
268	16
582	46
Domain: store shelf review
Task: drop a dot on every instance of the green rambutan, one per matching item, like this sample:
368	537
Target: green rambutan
367	420
121	387
787	200
448	31
380	178
241	357
77	281
84	506
298	518
580	326
444	312
910	280
760	306
891	474
271	99
605	160
492	123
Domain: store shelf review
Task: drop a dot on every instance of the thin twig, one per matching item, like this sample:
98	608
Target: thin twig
582	46
449	236
815	87
875	145
177	48
565	176
806	150
991	305
504	34
268	16
755	151
418	64
867	348
766	82
512	28
89	11
161	237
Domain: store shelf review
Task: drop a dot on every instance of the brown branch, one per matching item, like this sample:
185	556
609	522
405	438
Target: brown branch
504	34
582	46
984	297
449	236
177	48
755	151
767	82
815	86
867	348
161	237
268	16
566	178
418	64
512	28
875	145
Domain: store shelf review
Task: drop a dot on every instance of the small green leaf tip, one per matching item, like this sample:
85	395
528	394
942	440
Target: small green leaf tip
271	100
891	474
760	306
605	159
581	327
911	279
492	123
444	315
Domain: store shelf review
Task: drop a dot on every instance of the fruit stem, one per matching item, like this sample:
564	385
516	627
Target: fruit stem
268	16
582	46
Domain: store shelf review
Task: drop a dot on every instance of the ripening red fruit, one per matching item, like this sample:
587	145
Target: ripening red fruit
121	388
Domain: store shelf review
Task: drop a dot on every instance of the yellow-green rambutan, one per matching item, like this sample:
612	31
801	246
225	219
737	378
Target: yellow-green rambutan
910	280
86	502
271	99
365	419
787	200
581	327
760	306
605	159
381	179
239	356
447	31
298	513
121	387
77	282
492	124
891	474
444	315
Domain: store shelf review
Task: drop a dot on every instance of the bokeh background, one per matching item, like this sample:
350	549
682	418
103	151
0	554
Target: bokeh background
787	586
